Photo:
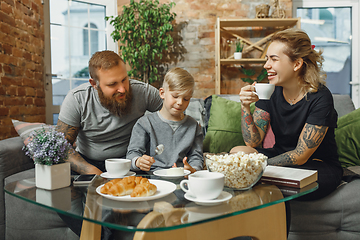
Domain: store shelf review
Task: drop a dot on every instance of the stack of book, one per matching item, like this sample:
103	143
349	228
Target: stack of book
288	176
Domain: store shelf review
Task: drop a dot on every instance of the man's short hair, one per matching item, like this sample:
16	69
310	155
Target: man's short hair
103	60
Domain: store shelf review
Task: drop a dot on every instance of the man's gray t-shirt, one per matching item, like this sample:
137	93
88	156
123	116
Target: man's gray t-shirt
103	135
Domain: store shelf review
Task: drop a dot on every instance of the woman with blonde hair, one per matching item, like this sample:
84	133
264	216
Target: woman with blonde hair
300	111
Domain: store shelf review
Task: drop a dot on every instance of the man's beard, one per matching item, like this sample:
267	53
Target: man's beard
116	107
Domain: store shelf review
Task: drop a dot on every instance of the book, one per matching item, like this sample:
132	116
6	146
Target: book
289	191
287	176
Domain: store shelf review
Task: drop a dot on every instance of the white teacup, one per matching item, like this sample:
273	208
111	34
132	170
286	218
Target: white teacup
117	166
264	90
204	185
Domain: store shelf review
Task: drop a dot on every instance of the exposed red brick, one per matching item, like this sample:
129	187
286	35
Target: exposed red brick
14	111
6	8
4	111
7	19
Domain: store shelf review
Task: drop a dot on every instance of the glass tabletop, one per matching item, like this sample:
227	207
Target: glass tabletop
174	208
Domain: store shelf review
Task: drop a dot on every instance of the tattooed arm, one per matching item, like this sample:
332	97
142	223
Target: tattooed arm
254	126
310	138
78	164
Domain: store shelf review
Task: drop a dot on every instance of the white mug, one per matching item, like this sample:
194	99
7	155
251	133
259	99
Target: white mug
117	166
264	90
204	185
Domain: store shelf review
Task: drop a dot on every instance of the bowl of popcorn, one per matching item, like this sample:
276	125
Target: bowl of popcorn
242	171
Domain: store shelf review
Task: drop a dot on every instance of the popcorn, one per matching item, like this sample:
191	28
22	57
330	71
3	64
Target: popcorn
241	170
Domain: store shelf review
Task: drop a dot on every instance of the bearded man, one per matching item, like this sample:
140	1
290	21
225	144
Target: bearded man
100	114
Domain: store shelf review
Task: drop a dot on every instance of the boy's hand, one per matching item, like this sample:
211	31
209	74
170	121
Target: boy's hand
187	166
144	162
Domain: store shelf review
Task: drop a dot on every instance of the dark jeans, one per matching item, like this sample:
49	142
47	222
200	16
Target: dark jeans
329	178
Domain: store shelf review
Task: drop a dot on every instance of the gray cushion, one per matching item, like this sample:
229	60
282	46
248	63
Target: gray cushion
12	160
26	220
336	216
343	104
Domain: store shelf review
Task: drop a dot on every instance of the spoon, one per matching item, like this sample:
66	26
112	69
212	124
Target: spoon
159	149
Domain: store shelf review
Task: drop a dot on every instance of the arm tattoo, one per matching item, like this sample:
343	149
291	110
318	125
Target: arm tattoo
78	164
313	135
310	138
285	159
250	129
262	119
69	131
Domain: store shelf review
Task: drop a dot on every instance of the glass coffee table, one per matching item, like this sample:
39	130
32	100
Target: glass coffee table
169	214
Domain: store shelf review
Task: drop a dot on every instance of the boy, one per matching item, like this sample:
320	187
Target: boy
180	134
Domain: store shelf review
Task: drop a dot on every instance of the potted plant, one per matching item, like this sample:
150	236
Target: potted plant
49	149
239	46
143	29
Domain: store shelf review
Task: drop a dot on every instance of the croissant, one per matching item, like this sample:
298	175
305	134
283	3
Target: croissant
108	185
122	188
129	185
144	190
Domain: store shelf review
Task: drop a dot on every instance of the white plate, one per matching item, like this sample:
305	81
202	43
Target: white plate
164	188
138	206
163	173
223	197
107	175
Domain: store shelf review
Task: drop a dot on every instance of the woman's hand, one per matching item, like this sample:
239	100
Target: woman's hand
247	95
144	162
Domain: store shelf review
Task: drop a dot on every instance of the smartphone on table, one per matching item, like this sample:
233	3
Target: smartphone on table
84	179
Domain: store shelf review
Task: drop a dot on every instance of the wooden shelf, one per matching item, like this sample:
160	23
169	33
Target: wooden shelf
259	22
242	61
231	26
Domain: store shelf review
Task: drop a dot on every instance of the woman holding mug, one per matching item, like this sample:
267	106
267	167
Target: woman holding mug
300	111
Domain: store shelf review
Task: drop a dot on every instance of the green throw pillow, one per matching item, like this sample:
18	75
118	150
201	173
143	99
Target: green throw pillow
224	128
347	136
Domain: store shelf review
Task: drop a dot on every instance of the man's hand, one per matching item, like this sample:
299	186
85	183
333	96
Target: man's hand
145	162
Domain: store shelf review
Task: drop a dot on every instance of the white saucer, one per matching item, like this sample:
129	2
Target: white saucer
163	173
107	175
223	197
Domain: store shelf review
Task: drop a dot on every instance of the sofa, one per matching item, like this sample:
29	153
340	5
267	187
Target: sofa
336	216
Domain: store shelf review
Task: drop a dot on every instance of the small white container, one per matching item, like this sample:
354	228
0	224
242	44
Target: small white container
237	55
52	177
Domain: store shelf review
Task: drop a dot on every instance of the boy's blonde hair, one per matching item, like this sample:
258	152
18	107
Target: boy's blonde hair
178	79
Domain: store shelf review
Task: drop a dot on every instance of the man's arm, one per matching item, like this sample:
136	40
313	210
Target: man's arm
309	140
78	164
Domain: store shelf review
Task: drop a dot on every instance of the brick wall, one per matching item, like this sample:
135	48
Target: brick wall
196	21
22	93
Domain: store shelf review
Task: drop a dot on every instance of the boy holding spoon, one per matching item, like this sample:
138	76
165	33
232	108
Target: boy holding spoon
180	134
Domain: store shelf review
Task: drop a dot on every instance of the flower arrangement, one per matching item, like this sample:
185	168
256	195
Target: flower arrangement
239	45
47	147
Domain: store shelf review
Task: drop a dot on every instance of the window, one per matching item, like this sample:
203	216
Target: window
74	30
333	26
94	39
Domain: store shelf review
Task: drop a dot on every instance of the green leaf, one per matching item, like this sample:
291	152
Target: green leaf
144	29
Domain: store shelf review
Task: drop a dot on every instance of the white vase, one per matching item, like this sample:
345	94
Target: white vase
237	55
52	177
